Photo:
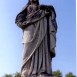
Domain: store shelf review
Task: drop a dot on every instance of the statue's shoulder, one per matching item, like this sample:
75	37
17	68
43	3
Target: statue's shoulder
24	8
22	11
49	8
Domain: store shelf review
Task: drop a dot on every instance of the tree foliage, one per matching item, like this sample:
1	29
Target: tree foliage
70	74
7	75
17	74
57	73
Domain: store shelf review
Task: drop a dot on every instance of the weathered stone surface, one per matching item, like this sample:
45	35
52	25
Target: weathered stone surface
39	26
39	76
45	76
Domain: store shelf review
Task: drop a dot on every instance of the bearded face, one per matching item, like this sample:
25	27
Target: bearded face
34	1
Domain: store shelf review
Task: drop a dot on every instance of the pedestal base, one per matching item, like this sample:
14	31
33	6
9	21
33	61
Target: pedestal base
45	76
39	76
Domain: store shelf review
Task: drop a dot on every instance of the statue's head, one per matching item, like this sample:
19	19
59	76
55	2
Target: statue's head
33	1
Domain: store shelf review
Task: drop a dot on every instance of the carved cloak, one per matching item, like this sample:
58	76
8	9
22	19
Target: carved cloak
39	40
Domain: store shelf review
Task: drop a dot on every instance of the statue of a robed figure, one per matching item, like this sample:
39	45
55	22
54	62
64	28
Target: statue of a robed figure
38	23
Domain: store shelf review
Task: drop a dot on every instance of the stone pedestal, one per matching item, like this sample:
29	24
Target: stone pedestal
40	76
45	76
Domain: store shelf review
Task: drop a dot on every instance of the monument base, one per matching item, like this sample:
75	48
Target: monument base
40	76
45	76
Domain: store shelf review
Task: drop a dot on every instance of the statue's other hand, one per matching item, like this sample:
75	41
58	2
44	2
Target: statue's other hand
21	24
24	23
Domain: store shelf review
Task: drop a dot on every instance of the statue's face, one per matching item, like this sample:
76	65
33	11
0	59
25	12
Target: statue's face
33	0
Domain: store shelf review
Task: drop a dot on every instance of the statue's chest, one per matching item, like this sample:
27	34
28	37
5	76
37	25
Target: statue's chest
31	9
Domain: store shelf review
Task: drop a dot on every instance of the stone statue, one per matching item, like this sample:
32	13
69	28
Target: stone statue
38	23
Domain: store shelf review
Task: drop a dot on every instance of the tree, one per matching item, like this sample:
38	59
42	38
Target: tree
70	74
17	74
57	73
7	75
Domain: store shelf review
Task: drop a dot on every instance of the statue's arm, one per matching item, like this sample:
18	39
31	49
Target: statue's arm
53	18
20	20
52	13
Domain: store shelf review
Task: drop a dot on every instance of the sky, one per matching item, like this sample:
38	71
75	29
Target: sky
11	36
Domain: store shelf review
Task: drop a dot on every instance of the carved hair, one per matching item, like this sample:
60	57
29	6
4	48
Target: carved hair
35	1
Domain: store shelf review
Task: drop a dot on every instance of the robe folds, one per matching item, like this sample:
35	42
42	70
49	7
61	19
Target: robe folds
39	41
